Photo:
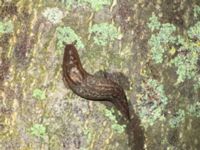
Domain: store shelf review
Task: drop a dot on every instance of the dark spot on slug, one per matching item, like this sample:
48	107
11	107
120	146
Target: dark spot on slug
92	87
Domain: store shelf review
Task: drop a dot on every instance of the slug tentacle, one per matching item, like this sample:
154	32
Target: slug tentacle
91	87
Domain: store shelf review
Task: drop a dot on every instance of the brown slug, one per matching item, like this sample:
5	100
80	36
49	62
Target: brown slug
91	87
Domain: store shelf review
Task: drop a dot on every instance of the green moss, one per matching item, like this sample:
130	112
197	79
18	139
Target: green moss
103	33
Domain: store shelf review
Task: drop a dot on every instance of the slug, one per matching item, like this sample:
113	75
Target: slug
91	87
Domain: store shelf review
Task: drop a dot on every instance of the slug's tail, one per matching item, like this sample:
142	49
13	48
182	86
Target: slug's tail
122	106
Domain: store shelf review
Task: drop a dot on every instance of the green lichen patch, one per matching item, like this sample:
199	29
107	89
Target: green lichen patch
154	23
177	119
196	11
38	130
163	42
39	94
194	31
194	109
66	35
103	33
160	40
118	128
186	66
6	27
177	52
152	103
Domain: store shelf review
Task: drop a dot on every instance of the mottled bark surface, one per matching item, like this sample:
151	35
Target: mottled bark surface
29	60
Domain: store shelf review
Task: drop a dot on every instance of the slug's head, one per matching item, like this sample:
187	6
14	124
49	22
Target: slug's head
73	72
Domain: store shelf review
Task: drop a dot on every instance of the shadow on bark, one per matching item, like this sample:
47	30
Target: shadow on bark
135	133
